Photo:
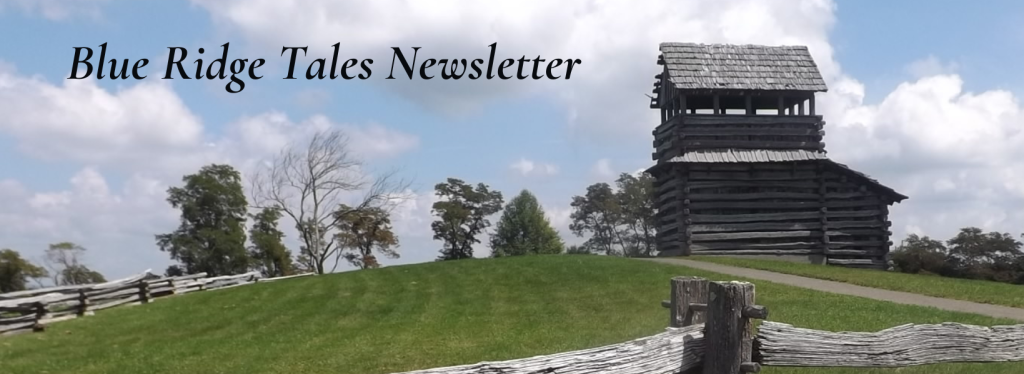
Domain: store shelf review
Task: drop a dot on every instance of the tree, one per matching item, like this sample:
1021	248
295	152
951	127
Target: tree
619	221
307	181
636	207
462	215
598	213
577	250
523	229
918	254
80	274
268	252
363	232
65	263
174	271
15	271
211	235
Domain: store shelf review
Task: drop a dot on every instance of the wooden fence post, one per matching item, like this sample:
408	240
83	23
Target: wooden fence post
143	292
728	332
40	310
174	289
83	303
688	301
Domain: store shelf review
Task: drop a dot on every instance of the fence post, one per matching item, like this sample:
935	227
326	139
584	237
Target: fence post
688	301
174	289
143	292
728	331
40	310
83	303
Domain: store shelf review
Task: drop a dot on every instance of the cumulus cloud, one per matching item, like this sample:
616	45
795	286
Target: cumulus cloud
529	168
616	41
56	10
931	66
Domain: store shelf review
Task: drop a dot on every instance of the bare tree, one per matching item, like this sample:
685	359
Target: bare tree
311	181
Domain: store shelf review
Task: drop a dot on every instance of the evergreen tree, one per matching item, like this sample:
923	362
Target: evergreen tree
269	254
211	236
523	230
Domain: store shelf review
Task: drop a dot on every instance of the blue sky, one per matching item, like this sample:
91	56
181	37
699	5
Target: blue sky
922	97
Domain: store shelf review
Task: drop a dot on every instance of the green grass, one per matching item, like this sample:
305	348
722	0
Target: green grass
932	285
421	316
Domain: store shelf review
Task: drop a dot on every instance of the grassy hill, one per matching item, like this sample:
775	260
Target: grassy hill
978	291
420	316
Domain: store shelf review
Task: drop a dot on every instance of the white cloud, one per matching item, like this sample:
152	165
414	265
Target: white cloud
603	169
56	10
616	41
527	168
931	66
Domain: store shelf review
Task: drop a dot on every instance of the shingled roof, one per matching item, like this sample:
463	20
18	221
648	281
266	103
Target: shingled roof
741	67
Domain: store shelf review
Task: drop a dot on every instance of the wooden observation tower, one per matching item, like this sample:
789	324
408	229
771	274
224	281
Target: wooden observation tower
741	163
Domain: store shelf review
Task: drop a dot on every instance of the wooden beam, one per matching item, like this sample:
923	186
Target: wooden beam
800	106
810	104
781	106
728	333
750	105
717	111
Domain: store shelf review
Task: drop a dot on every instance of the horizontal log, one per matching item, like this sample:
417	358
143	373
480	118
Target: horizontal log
55	319
756	226
759	217
782	204
115	295
744	245
18	319
750	131
758	252
748	144
4	329
286	277
855	232
906	345
864	243
712	119
756	176
833	224
753	196
748	166
855	252
112	291
670	352
854	261
741	183
755	235
114	303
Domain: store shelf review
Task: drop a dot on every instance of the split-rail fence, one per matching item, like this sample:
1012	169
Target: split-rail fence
711	332
33	310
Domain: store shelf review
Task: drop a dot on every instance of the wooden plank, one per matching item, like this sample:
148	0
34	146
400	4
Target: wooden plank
751	196
756	205
756	226
759	217
902	346
707	119
686	291
748	252
693	185
756	176
670	352
744	245
810	130
748	144
755	235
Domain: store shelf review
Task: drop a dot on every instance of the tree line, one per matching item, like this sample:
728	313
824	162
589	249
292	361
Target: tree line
342	213
971	254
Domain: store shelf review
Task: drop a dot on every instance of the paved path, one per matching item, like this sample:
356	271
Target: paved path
853	290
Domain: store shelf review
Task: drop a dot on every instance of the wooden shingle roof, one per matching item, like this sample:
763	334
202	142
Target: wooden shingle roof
741	67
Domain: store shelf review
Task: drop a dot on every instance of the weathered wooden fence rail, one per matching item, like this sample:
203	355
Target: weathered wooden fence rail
711	332
33	310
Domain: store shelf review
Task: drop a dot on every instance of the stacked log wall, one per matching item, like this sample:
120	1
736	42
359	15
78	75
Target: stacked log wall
790	209
689	132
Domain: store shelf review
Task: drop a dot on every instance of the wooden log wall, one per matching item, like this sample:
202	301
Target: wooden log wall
797	208
681	133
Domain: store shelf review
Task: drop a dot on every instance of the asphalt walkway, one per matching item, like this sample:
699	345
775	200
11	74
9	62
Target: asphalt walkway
853	290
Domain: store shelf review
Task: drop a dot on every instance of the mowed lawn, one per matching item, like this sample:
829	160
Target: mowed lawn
403	318
932	285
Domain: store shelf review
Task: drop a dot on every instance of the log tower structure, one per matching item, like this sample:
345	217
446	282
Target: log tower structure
741	167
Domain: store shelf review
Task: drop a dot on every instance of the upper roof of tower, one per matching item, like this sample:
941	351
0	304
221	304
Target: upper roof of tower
740	67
